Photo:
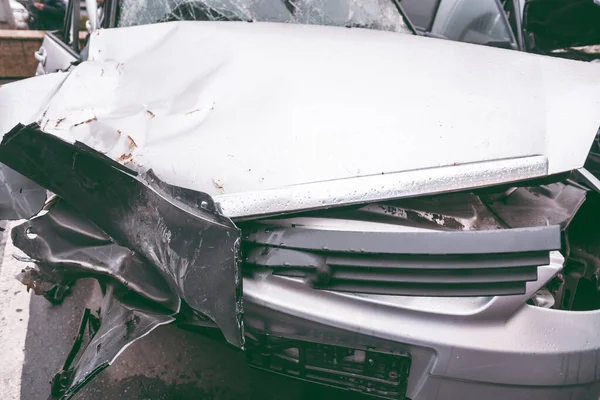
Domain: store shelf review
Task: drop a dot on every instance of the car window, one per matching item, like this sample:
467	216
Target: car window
473	21
372	14
421	12
73	25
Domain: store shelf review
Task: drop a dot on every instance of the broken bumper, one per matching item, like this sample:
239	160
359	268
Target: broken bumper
461	348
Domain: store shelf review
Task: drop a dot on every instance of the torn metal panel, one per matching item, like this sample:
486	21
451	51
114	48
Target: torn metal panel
193	248
120	325
67	246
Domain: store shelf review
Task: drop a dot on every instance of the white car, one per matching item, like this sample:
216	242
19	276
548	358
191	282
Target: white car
13	15
20	14
351	204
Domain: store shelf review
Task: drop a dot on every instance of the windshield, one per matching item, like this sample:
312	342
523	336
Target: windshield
371	14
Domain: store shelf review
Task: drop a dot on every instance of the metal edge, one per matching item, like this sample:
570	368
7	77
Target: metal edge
365	189
587	178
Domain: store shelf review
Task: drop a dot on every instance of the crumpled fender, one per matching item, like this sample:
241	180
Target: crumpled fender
159	250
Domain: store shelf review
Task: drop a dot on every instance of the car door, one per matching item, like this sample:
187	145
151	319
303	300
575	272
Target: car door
60	49
557	24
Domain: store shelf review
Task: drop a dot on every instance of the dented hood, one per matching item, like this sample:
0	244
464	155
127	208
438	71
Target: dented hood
269	118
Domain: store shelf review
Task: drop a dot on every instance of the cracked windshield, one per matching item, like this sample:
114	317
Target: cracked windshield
370	14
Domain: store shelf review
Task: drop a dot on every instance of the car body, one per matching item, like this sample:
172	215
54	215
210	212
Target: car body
336	202
20	14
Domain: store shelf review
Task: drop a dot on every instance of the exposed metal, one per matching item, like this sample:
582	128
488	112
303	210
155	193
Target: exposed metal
159	247
119	325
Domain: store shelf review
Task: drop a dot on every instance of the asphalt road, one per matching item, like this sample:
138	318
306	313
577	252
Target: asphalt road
169	363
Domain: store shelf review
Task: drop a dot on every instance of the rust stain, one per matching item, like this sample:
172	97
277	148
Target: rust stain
85	122
125	158
132	142
150	113
58	122
218	185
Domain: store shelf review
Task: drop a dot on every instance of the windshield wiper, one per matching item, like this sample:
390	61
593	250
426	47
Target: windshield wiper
407	21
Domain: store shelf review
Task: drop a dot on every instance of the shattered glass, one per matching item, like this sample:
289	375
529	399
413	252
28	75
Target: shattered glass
370	14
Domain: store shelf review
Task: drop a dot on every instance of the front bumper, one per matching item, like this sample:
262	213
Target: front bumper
461	348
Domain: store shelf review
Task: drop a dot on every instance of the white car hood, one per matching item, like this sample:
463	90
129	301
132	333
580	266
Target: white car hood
270	118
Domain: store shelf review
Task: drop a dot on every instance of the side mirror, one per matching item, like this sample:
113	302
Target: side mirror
92	10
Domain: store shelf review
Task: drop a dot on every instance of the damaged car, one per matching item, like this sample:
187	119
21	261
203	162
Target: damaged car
306	179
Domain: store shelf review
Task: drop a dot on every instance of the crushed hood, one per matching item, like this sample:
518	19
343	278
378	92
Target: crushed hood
277	117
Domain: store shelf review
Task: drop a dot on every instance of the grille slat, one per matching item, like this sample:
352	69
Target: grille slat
440	264
439	276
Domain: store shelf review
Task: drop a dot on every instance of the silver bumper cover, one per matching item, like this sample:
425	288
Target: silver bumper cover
467	348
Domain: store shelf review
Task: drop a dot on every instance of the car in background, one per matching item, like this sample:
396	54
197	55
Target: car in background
13	15
20	14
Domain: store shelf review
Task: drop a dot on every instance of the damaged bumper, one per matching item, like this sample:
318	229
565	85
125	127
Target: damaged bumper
460	348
